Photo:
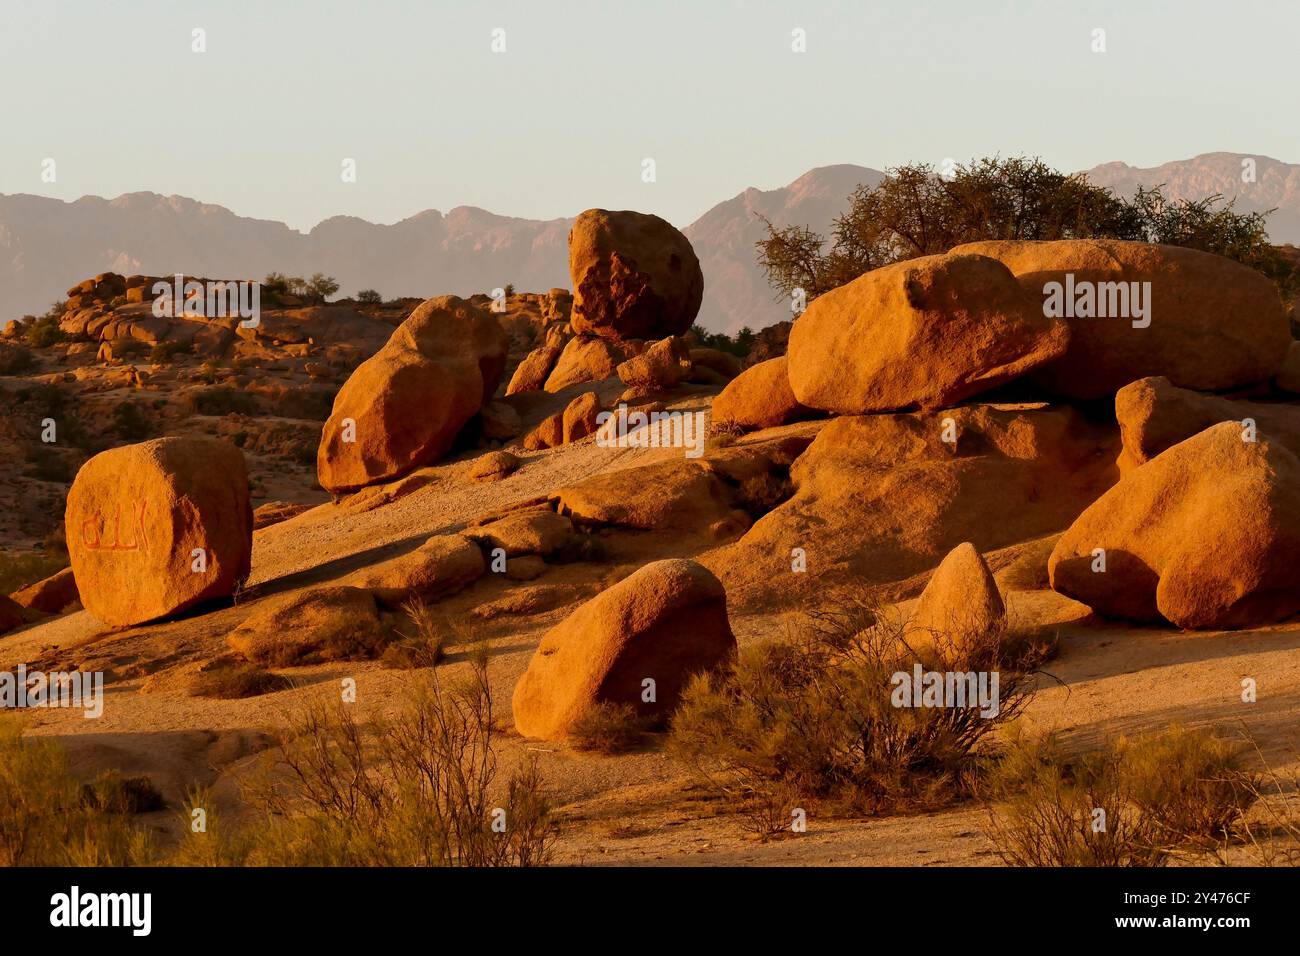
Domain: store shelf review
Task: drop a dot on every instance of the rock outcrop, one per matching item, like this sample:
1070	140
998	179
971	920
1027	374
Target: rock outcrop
1155	415
586	358
312	627
443	565
662	365
52	595
959	610
759	397
879	498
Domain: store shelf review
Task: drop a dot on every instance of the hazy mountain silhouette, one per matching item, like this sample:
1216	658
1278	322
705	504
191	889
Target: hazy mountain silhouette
1276	185
46	245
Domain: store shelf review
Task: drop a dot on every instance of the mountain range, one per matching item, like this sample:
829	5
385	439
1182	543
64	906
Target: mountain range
46	245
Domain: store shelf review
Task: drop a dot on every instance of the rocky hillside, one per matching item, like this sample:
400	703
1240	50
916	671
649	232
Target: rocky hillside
939	473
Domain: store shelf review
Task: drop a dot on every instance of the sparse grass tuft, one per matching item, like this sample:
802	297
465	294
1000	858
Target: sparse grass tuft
423	647
237	681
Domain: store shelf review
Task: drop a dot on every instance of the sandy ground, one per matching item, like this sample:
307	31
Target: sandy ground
637	808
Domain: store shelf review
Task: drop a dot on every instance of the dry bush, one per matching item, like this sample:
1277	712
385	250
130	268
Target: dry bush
421	790
423	647
608	728
769	812
1270	835
814	714
14	359
237	680
19	569
724	434
45	816
206	841
114	793
1137	803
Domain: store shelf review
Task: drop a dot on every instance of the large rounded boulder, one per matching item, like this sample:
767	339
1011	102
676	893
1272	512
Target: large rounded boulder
759	397
925	333
157	527
1205	535
1136	309
403	407
634	276
636	643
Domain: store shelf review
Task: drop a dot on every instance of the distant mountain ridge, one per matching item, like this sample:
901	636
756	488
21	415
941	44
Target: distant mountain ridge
47	244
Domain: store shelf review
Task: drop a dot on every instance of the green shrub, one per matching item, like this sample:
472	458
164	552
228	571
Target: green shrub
130	423
164	352
45	816
369	297
814	714
319	287
127	346
44	332
21	568
113	793
222	400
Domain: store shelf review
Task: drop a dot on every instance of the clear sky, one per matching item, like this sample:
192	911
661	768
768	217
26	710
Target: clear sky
711	90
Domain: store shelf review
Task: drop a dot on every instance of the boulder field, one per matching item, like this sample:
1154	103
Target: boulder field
927	414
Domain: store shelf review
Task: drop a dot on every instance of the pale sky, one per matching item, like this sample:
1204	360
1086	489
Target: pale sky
585	91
